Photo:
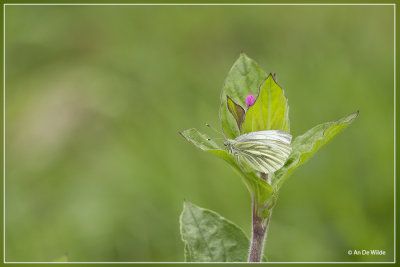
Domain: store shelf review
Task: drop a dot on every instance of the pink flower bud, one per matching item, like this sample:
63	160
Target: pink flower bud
250	100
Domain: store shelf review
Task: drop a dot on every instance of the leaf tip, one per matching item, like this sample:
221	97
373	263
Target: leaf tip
271	76
352	116
243	55
181	134
186	204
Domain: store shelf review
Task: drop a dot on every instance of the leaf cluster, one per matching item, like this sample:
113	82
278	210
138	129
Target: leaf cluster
269	112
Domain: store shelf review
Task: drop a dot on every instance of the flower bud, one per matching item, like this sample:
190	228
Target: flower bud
250	100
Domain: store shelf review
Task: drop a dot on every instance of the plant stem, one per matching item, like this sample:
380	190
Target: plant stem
259	230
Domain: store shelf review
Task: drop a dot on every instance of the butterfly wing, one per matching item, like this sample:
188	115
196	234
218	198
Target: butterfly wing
264	151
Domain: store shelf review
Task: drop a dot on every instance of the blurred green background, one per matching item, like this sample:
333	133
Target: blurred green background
96	95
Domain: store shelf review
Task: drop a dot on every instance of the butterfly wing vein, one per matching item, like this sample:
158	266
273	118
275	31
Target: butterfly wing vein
264	151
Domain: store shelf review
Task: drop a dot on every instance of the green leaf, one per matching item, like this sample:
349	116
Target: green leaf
270	111
209	237
198	139
306	145
244	78
187	253
236	110
260	190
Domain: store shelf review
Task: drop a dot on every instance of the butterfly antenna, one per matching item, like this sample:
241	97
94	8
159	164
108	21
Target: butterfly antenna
209	126
214	138
215	130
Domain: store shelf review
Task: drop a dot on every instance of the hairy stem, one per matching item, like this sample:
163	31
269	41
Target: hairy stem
258	236
260	225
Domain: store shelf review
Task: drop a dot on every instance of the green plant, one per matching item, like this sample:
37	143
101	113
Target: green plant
208	236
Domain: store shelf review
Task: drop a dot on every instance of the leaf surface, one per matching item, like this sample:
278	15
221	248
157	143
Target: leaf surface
270	111
236	110
199	139
244	78
306	145
209	237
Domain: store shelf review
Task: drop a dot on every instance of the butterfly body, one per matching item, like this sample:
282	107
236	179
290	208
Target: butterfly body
263	151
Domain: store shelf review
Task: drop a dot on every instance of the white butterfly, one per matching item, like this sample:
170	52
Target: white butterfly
263	151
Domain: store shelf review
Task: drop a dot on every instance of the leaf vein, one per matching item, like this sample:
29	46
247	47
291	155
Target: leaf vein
201	234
